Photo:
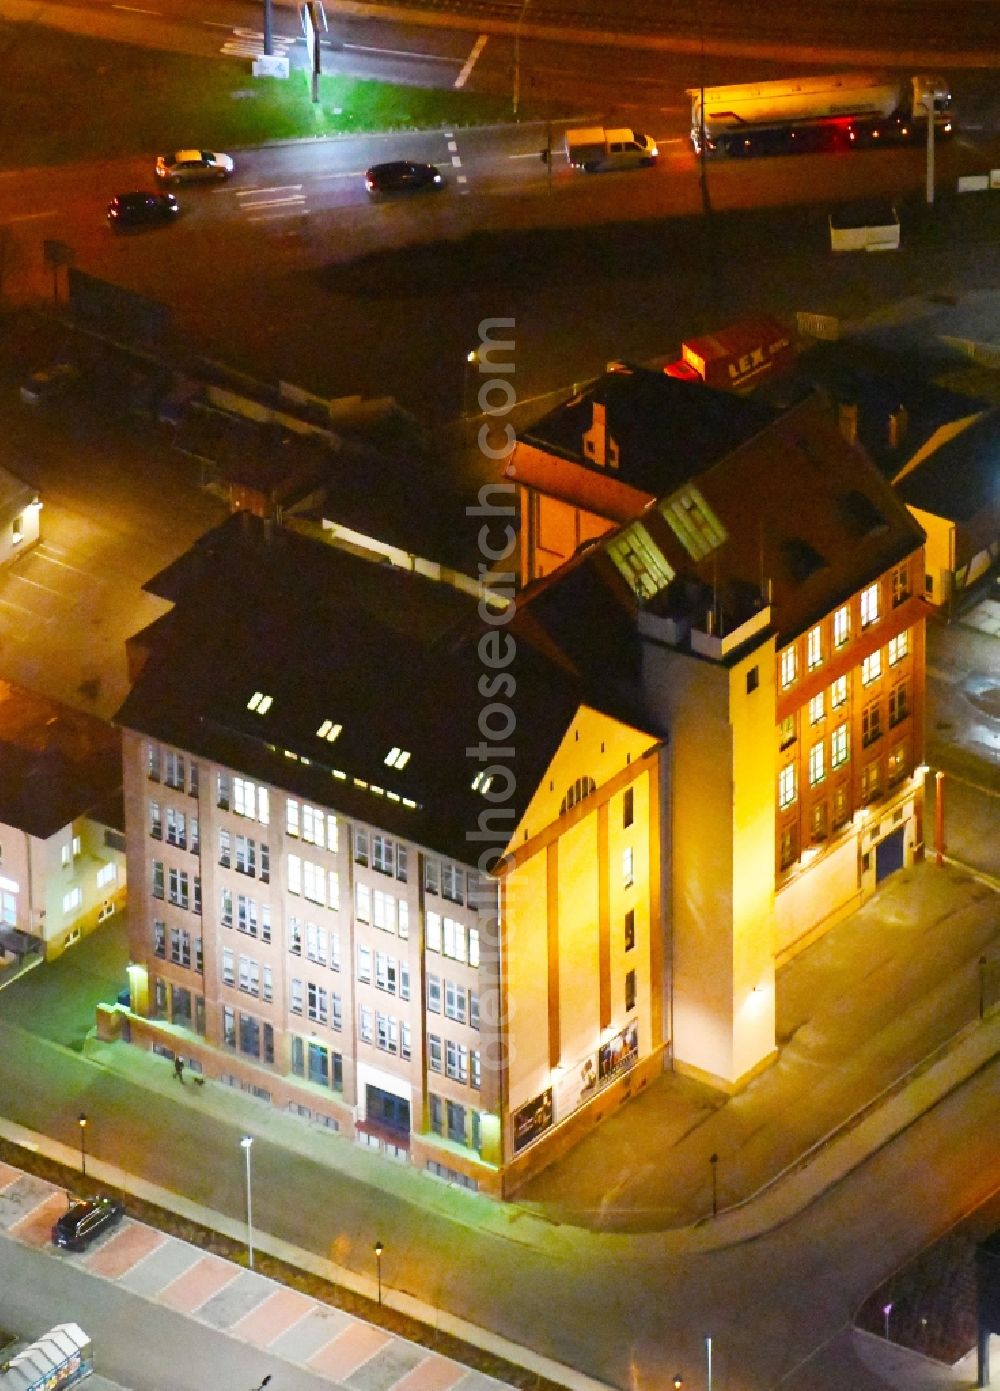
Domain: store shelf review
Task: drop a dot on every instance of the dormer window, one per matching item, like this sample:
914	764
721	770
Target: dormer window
397	758
260	703
481	782
329	731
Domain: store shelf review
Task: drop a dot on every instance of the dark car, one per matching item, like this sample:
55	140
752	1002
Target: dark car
400	176
84	1221
142	210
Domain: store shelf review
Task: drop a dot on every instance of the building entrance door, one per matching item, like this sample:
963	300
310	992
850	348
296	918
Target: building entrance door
889	855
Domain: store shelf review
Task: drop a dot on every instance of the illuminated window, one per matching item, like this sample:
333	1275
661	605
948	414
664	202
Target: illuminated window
72	900
329	731
693	522
481	782
897	762
838	692
362	903
397	758
260	703
364	964
899	646
786	732
789	667
870	781
869	605
294	874
839	746
871	667
786	786
814	648
816	709
639	560
817	769
628	867
841	626
432	933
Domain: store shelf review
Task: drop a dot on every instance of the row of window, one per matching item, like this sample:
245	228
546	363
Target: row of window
251	918
384	1031
248	1034
317	1063
176	886
823	815
243	797
383	971
382	910
815	640
451	938
839	752
314	942
313	882
312	824
250	979
166	766
381	853
453	1000
451	1120
835	697
181	942
243	854
174	827
455	1060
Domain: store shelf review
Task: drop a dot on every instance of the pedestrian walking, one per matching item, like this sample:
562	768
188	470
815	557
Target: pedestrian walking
179	1070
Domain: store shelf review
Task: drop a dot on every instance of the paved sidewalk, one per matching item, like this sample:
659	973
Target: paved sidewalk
335	1345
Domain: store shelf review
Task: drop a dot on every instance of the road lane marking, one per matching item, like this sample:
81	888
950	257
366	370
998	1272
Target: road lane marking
471	61
276	188
134	9
456	161
274	217
398	52
297	199
31	217
341	174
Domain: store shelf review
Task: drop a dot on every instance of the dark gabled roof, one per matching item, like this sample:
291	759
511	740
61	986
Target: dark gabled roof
667	431
56	763
333	639
960	477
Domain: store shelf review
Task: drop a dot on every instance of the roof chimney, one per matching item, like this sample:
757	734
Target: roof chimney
598	446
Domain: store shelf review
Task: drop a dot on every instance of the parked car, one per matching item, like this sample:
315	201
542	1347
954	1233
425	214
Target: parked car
49	383
141	210
85	1221
401	176
190	166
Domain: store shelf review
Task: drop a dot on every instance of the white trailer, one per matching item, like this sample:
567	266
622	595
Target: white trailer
815	113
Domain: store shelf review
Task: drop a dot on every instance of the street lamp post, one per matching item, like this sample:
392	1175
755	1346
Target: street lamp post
708	1359
82	1121
379	1248
517	57
928	101
678	1382
247	1144
886	1311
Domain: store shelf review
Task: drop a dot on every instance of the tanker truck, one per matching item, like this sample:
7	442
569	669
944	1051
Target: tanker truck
809	114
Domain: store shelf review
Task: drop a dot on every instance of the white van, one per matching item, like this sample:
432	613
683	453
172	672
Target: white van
595	148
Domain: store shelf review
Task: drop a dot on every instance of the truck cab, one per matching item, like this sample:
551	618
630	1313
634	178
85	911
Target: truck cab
596	148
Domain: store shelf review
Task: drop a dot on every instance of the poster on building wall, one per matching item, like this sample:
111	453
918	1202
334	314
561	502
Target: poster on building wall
576	1086
619	1053
531	1119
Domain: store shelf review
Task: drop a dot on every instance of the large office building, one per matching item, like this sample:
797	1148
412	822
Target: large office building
455	880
